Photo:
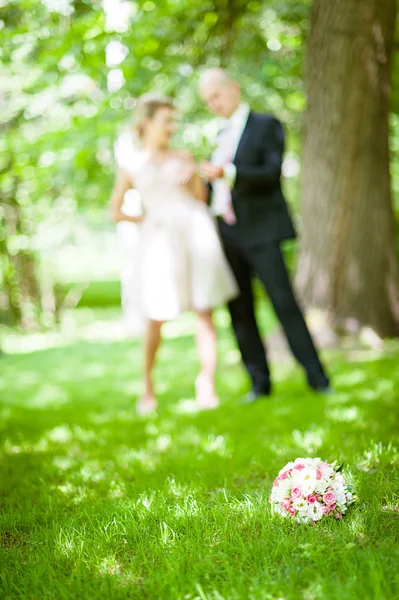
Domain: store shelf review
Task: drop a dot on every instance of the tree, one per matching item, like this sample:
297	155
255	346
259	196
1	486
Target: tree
71	71
39	154
348	263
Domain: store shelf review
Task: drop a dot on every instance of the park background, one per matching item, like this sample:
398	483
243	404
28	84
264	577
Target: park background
96	502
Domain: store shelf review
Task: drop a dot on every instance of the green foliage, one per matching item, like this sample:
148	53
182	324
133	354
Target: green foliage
61	118
70	73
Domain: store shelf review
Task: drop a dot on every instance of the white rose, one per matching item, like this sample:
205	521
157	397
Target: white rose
328	472
304	477
300	505
284	488
298	475
308	488
337	487
275	495
338	477
315	512
321	485
287	467
303	518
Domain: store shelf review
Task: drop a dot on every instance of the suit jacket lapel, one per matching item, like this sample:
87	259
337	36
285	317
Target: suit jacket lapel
243	140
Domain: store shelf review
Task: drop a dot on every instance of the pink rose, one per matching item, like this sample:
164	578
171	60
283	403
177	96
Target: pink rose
311	499
283	475
299	466
275	482
319	474
292	511
329	498
338	516
325	510
333	506
296	492
286	504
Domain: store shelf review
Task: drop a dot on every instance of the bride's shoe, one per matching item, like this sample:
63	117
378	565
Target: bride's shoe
146	405
206	396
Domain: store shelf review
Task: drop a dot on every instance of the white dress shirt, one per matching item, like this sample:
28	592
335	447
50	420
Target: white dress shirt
223	156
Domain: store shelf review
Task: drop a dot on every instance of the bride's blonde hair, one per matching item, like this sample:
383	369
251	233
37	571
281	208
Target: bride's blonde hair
146	107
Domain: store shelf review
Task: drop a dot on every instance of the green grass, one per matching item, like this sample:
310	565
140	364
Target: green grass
98	503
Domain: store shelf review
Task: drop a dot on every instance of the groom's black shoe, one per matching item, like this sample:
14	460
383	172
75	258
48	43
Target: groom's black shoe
255	395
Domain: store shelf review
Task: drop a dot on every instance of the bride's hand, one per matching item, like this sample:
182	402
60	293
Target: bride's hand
139	219
211	172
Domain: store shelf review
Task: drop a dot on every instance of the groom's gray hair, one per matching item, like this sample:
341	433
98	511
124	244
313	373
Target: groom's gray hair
215	75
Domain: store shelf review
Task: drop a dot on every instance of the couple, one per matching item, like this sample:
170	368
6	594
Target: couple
183	264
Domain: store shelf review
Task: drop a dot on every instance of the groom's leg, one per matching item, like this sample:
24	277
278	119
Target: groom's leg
244	322
268	264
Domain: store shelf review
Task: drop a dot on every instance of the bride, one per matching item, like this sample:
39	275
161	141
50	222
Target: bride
182	264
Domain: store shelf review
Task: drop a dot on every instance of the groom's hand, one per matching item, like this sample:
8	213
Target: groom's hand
211	172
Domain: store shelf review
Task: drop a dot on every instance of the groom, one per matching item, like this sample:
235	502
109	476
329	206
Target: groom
253	220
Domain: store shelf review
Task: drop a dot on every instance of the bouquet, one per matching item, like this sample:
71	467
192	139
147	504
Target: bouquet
309	489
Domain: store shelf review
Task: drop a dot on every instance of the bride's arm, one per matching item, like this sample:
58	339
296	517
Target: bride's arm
192	179
123	183
198	188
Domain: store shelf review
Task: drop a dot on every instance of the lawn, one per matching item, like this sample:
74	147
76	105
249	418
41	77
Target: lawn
99	503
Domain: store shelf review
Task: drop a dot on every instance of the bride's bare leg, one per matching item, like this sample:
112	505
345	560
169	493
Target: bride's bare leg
152	340
206	343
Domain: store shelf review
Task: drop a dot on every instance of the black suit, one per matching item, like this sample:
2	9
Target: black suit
252	247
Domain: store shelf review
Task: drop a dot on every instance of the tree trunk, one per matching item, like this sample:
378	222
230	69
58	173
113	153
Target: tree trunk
347	263
19	270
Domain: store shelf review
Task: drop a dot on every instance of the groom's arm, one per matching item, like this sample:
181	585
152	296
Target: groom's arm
268	173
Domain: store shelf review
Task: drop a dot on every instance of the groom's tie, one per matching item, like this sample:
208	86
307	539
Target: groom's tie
224	154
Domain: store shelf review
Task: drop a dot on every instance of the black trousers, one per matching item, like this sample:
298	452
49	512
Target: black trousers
267	264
